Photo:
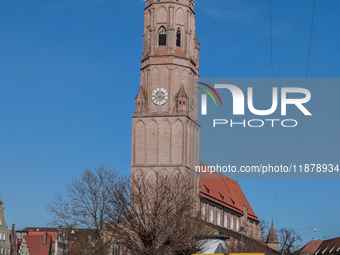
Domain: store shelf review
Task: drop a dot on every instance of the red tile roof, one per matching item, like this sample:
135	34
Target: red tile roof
33	232
329	247
224	191
40	233
311	247
35	244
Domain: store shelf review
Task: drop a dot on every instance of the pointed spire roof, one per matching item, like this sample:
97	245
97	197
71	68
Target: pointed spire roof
196	40
272	237
140	93
181	92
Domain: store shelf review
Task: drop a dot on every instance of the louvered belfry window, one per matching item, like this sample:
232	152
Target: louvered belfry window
162	37
178	38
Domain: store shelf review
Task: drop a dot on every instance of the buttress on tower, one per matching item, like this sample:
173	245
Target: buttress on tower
165	129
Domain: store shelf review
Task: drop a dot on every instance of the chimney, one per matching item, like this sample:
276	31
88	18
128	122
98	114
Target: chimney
14	240
45	237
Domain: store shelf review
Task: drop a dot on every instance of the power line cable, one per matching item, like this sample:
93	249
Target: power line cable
272	83
325	226
310	42
305	85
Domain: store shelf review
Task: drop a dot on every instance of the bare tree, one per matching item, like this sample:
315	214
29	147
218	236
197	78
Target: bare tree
88	211
264	226
247	245
161	215
289	241
145	215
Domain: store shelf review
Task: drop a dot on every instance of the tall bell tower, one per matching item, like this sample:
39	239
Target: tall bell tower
165	129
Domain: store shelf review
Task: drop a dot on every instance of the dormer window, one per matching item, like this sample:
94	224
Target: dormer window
207	189
162	37
178	37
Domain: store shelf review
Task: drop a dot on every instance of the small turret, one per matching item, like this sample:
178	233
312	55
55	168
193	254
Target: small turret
140	101
182	101
272	240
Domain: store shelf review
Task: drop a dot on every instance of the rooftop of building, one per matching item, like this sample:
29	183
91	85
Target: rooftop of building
272	237
311	247
329	247
224	191
36	245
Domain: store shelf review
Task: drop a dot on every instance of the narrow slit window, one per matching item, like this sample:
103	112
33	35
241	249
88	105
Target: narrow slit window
178	37
162	37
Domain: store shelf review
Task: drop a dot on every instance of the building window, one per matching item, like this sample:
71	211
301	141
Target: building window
149	40
203	211
115	250
225	220
231	222
178	37
218	217
237	225
211	215
162	37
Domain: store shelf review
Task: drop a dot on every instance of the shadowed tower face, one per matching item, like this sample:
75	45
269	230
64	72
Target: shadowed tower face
165	129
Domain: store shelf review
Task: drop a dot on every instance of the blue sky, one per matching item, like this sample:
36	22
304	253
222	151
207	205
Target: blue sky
69	73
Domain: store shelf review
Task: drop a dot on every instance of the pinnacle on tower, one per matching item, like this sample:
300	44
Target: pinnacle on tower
272	240
182	100
140	101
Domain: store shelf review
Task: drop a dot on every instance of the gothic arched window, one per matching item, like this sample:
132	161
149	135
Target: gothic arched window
225	220
231	222
203	211
162	37
211	215
178	37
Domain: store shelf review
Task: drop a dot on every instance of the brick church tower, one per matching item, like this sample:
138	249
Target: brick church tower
165	129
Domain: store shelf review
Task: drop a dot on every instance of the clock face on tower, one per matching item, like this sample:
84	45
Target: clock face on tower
159	96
